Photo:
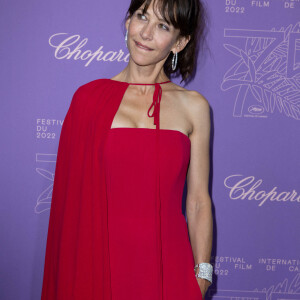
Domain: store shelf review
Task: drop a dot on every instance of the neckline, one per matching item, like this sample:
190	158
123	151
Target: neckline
175	131
131	83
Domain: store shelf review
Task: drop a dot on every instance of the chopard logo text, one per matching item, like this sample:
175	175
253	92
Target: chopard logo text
242	188
71	47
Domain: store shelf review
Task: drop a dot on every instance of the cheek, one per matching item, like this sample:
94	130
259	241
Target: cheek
165	43
134	28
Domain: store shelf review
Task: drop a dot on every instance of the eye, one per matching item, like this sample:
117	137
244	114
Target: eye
140	16
163	26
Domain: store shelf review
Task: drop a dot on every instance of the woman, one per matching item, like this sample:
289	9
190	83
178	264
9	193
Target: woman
116	230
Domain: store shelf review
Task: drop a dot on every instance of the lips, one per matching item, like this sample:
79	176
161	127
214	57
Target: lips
141	46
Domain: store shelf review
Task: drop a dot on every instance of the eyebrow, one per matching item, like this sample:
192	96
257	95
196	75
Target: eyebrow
160	19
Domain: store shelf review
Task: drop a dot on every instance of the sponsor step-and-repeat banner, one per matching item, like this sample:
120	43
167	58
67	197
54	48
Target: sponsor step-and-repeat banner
250	74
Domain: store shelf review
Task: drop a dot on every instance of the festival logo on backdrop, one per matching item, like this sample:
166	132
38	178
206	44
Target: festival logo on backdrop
284	290
46	130
287	289
243	6
265	73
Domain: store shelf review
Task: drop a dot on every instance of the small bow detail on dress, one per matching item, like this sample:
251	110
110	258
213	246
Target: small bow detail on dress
156	104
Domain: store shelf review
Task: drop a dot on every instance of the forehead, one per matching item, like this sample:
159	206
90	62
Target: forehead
159	8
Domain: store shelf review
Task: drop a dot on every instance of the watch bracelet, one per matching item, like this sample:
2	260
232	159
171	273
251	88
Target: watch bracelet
205	271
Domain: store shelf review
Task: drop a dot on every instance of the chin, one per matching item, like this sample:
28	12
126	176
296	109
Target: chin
141	60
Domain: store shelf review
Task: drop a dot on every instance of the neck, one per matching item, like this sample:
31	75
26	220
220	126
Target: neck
146	75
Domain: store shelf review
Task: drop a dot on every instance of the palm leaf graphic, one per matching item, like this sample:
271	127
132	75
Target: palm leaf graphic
265	73
283	288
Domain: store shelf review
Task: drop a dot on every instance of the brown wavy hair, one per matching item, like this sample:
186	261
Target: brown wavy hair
190	17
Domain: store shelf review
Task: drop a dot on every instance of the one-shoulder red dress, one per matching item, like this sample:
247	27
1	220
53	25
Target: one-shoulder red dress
147	230
116	228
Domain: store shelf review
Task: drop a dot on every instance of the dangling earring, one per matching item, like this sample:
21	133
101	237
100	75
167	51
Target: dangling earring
126	37
174	61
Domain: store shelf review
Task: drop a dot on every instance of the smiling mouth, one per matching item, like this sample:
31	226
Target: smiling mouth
142	46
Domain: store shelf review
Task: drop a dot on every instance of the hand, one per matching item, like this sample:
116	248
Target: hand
203	284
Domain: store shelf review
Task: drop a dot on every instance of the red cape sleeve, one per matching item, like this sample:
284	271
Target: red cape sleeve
77	262
59	194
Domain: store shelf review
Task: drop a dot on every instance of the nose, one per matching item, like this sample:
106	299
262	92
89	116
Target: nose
147	32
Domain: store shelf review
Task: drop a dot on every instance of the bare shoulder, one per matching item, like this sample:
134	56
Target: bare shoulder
194	99
195	105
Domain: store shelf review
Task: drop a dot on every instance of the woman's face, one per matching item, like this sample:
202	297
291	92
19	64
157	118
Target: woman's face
150	38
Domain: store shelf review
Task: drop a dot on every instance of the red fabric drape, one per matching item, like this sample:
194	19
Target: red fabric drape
77	251
77	254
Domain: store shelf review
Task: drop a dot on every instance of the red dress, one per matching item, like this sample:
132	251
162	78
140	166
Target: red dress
116	230
133	235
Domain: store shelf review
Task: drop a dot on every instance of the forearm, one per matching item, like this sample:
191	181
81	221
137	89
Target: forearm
200	226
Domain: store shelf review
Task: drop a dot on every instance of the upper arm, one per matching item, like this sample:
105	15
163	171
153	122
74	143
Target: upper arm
199	167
